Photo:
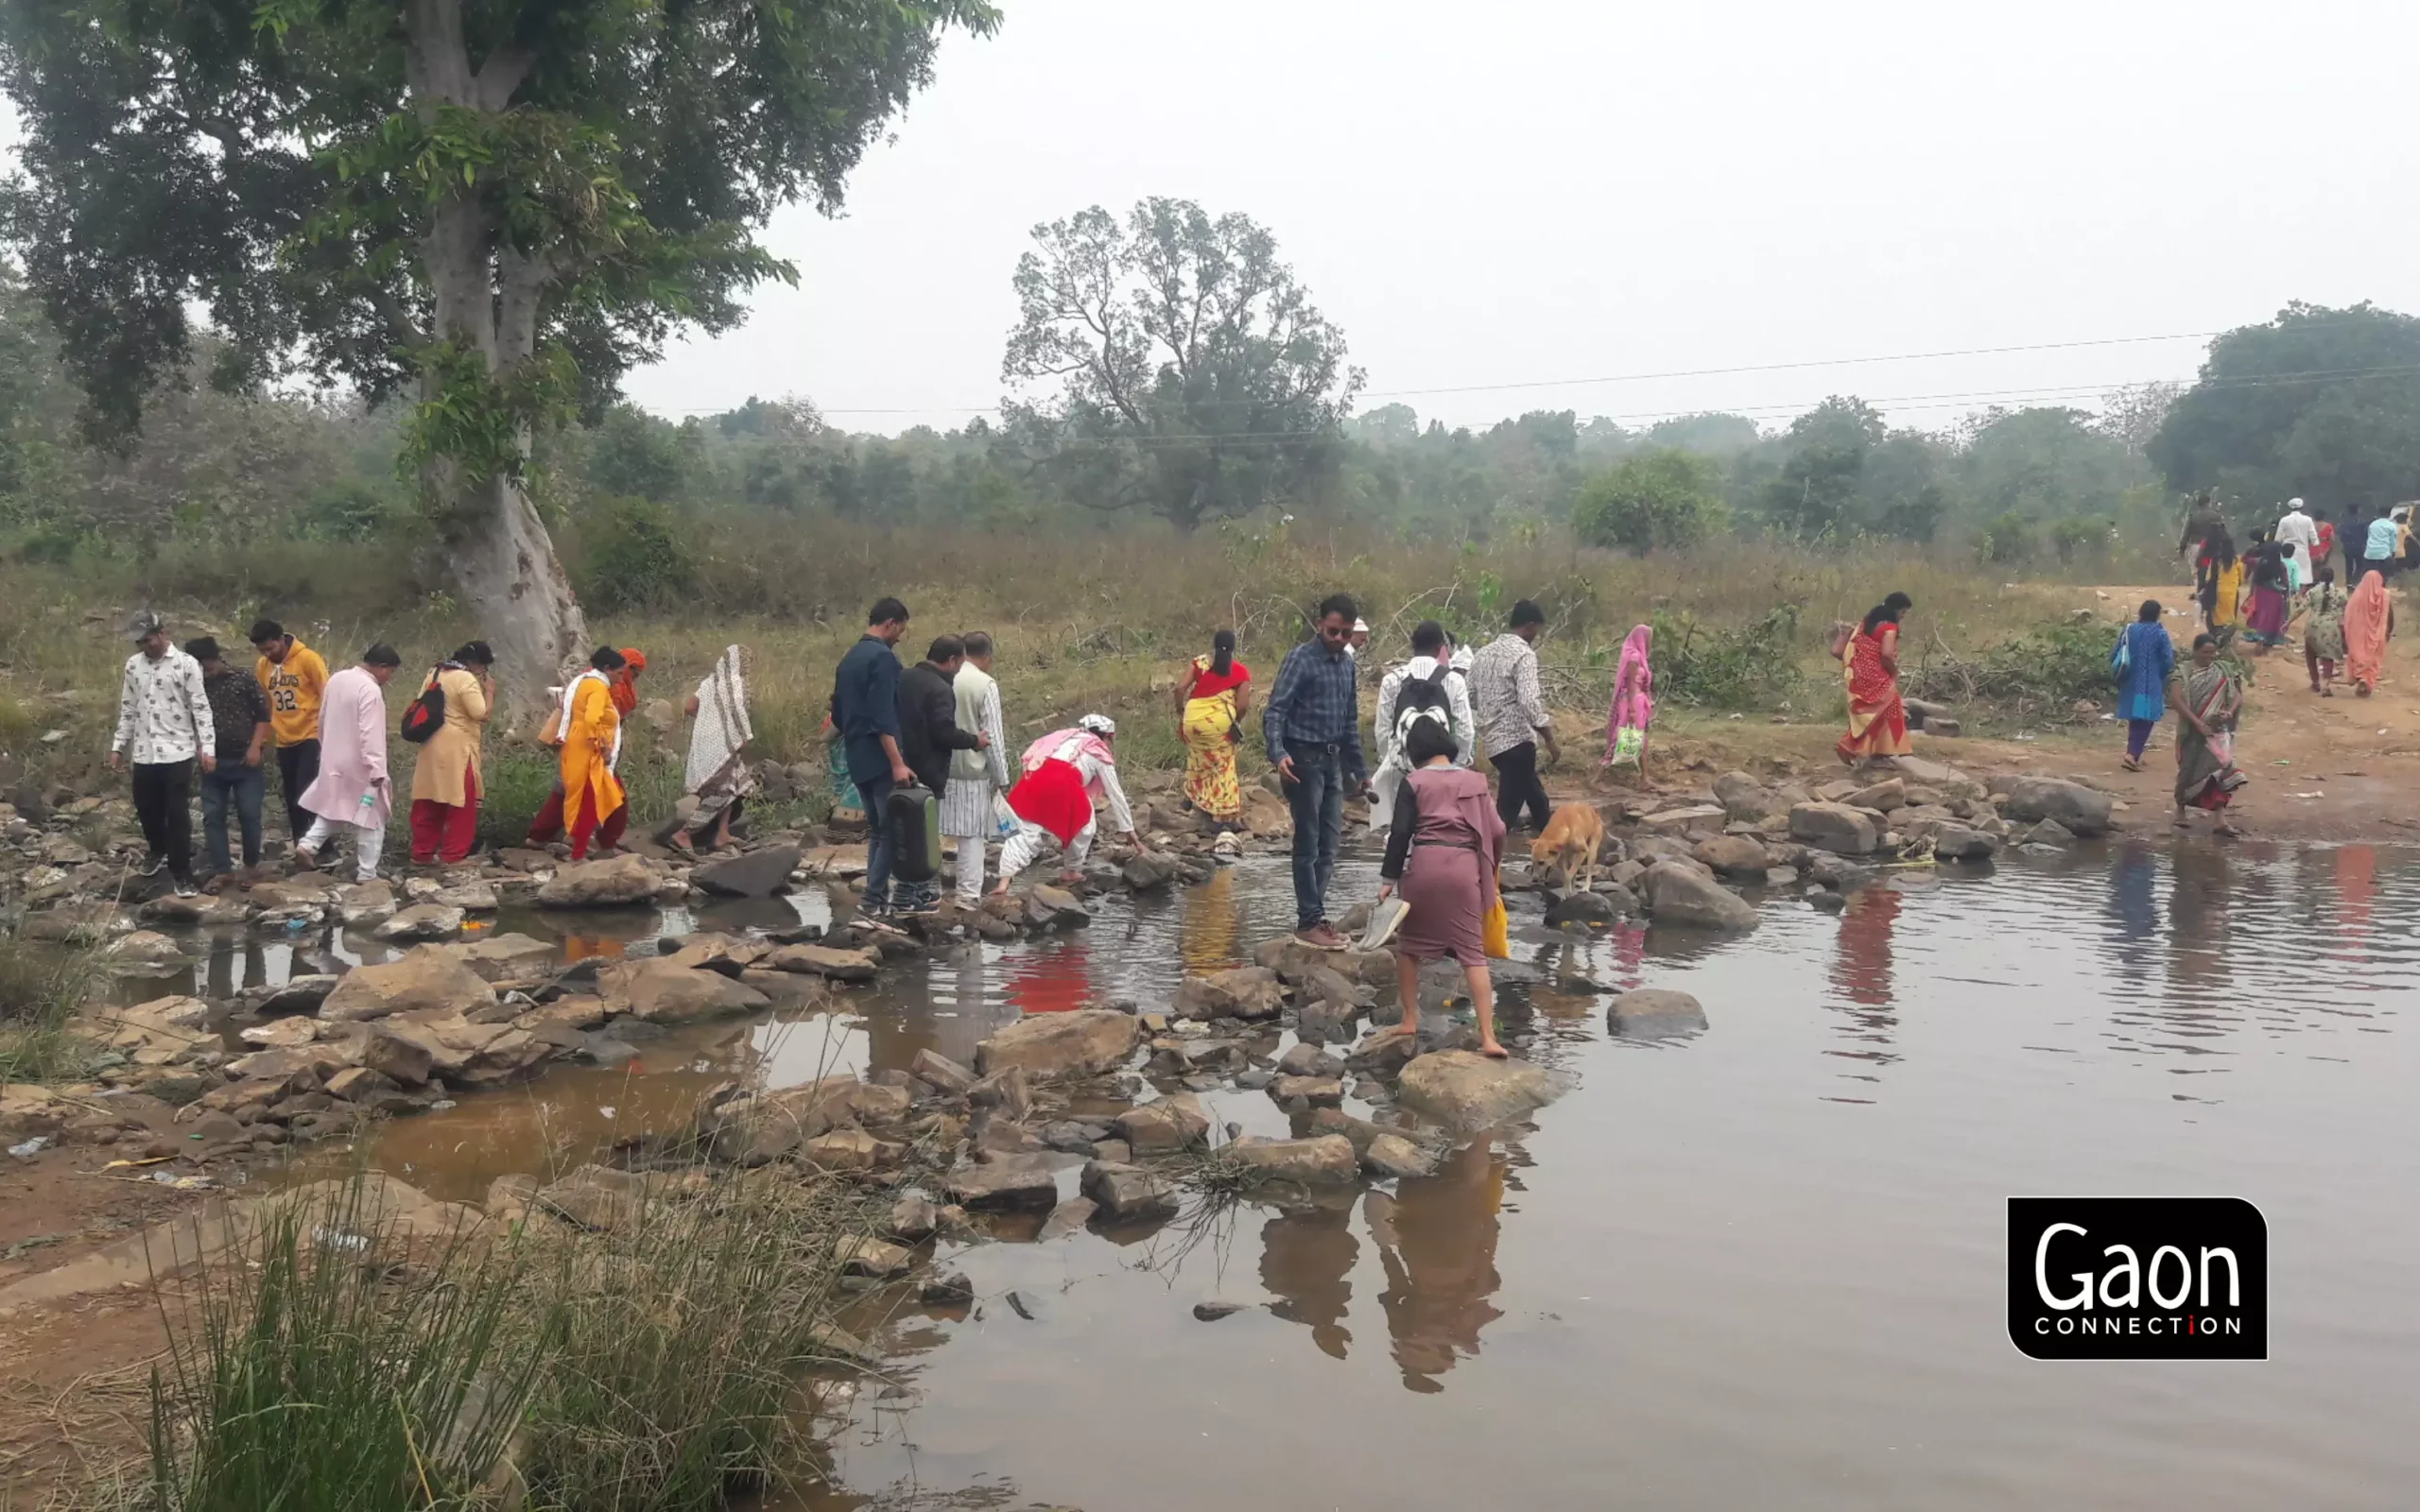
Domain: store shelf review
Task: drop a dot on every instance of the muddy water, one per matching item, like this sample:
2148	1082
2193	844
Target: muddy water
1760	1266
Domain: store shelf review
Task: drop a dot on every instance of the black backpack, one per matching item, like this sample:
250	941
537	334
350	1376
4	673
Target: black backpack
1420	694
425	715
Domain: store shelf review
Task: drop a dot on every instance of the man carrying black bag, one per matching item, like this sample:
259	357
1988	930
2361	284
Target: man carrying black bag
928	736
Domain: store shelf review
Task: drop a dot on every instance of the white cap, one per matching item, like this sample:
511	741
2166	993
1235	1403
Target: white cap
1361	628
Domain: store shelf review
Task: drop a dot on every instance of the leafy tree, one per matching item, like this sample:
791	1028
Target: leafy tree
1662	497
2045	464
2318	402
1712	435
633	453
1820	482
1387	426
636	555
493	206
1173	363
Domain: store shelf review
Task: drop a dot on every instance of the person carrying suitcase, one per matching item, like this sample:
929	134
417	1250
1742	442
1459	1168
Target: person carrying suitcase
928	736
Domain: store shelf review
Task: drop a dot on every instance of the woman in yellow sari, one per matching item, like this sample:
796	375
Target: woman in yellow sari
1211	700
594	806
2219	587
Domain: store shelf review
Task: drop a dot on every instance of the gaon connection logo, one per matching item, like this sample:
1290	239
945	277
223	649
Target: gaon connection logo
2137	1278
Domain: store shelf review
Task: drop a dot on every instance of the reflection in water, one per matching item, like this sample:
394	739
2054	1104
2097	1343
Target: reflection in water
1861	974
1306	1259
591	947
2198	897
1208	939
1056	980
1437	1240
2133	913
2357	882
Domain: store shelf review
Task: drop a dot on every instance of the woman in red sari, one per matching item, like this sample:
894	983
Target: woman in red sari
1870	665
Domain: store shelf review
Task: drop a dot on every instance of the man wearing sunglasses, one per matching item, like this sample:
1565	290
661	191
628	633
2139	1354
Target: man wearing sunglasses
1313	724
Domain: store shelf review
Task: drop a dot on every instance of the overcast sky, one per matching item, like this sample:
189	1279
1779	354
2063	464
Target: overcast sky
1527	192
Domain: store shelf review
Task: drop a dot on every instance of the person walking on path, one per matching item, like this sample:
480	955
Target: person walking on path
1425	687
447	781
2202	521
2219	586
2324	633
1513	719
2266	610
930	740
1634	707
352	791
2369	620
717	775
163	728
2142	662
2209	699
1445	843
294	676
622	689
2382	548
594	809
1212	700
1870	668
1313	729
240	722
2299	533
1064	772
975	776
865	706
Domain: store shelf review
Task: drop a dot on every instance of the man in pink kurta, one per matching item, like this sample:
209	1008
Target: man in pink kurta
352	791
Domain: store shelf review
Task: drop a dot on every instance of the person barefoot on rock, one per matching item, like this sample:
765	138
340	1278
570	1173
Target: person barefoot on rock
1442	850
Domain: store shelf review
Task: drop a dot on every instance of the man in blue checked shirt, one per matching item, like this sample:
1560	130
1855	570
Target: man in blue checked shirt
1314	730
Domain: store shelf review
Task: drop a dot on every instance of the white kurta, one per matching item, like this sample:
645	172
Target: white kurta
2301	532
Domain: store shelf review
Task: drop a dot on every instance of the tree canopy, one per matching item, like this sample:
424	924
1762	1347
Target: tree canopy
1660	497
495	207
1170	362
2319	403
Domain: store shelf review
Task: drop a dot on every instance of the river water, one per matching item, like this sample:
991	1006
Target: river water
1759	1265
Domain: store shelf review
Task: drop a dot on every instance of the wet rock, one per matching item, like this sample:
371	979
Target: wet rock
1582	908
406	1062
1324	1024
367	1090
826	961
2047	832
1824	900
1393	1156
598	1197
953	1290
201	911
1320	985
1310	1091
1734	855
1384	1050
1174	1123
1128	1192
1320	1160
659	993
470	897
1070	1137
1473	1093
1689	898
429	979
1957	843
913	1218
1297	962
1068	1217
2082	810
1253	1078
932	1066
861	1256
1059	907
1685	818
1357	1131
280	1034
1006	1089
751	1130
422	921
1006	1185
1742	797
754	874
1083	1042
1244	992
299	994
1146	870
365	905
507	957
619	882
1220	1307
74	923
1654	1013
1308	1060
1834	826
144	954
847	1150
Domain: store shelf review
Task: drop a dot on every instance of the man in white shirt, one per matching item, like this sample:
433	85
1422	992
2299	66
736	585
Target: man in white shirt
2297	532
163	728
1430	686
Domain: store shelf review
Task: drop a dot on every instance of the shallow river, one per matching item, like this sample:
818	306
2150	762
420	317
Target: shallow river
1759	1266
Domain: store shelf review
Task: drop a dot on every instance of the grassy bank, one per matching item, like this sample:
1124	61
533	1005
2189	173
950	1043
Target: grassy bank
1089	623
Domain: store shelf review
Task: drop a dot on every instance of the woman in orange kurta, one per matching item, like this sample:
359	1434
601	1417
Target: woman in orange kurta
446	785
594	803
1870	665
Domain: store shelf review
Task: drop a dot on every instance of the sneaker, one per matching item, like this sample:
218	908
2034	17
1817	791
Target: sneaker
183	888
1322	936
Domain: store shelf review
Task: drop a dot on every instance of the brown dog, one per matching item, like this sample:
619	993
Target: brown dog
1569	849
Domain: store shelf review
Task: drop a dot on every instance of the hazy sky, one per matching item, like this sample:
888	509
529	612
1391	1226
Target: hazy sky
1512	193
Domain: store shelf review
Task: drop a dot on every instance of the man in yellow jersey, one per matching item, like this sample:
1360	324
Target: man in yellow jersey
293	677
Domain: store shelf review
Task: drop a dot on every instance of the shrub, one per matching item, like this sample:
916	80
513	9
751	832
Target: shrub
40	989
1662	498
1746	667
2006	538
636	557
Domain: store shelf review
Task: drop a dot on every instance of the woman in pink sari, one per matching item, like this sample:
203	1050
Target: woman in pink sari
1634	708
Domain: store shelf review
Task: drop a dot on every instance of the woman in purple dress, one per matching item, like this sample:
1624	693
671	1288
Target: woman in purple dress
1442	854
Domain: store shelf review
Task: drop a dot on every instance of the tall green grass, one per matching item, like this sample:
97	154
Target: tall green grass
41	987
330	1369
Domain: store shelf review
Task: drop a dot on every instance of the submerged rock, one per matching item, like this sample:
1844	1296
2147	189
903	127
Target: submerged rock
756	874
1173	1122
1129	1193
430	978
1654	1013
1686	896
1320	1160
1393	1156
1084	1043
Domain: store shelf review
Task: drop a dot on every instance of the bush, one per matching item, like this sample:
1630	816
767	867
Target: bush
636	557
1726	669
40	989
1664	498
2006	538
2047	671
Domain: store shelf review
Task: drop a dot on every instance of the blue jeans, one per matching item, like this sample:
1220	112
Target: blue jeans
1317	797
245	785
876	792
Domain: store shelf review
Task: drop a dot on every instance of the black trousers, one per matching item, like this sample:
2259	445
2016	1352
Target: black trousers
163	806
1517	783
298	768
